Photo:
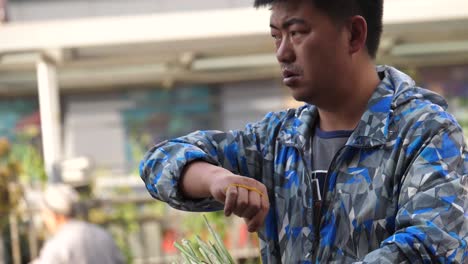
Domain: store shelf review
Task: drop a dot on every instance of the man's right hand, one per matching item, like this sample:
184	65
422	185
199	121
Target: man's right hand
242	196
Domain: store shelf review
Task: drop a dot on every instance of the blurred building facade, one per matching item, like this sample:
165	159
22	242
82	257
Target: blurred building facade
105	79
119	66
33	10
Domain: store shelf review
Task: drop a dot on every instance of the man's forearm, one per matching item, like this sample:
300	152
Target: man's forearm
197	177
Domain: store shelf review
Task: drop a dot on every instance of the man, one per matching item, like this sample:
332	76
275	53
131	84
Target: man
371	169
73	241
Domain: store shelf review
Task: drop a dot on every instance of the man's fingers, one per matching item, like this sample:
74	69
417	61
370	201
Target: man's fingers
257	221
231	200
247	198
242	201
254	206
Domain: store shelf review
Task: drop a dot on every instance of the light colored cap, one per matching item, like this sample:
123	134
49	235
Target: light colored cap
60	198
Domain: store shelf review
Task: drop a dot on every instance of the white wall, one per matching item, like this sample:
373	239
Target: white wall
28	10
93	128
248	102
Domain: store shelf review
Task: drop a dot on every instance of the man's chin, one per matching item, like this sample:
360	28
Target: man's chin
300	94
299	97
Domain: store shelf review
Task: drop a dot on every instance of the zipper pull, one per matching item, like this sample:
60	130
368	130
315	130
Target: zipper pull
317	193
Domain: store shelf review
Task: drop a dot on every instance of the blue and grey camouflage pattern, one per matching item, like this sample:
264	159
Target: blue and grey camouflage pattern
396	192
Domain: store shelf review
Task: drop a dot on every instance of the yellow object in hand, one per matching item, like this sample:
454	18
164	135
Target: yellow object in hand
245	187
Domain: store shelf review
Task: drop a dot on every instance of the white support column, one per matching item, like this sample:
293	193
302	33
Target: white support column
49	103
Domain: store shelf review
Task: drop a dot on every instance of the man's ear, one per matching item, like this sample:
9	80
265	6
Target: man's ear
357	26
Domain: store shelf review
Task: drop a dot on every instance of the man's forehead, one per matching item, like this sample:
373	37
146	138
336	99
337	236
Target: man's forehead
282	10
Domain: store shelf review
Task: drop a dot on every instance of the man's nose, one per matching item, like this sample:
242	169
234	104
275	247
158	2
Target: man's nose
285	52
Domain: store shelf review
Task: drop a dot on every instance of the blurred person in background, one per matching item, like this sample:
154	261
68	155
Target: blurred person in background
3	11
372	169
73	241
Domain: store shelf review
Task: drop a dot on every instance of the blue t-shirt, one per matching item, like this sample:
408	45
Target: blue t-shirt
325	145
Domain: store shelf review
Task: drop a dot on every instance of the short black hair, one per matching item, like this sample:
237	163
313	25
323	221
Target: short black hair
339	10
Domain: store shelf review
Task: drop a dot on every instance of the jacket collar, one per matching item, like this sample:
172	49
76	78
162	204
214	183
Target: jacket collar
373	128
298	128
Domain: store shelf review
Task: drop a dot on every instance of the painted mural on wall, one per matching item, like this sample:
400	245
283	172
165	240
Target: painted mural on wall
161	114
20	124
16	114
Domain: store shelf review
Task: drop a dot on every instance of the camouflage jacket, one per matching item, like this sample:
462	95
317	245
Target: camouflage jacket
396	192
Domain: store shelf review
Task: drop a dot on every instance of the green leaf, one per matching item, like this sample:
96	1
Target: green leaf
186	253
189	247
209	253
205	255
204	247
219	242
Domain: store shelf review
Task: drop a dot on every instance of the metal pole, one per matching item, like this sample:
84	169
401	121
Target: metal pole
49	103
15	241
32	236
2	250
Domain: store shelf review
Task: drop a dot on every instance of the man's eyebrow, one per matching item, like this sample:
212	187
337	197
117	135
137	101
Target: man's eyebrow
289	23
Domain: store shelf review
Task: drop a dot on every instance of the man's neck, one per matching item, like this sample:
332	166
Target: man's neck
348	107
60	222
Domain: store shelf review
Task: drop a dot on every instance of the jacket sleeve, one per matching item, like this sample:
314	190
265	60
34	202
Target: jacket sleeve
241	152
431	222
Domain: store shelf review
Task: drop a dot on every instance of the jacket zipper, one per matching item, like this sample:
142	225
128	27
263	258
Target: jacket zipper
325	190
321	199
316	193
323	204
312	181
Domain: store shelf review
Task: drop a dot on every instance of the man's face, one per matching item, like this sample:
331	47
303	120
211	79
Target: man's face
49	219
311	49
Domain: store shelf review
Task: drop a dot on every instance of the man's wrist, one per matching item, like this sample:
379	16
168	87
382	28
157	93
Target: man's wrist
197	177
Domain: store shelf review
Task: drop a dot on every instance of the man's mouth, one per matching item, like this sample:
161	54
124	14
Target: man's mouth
290	77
